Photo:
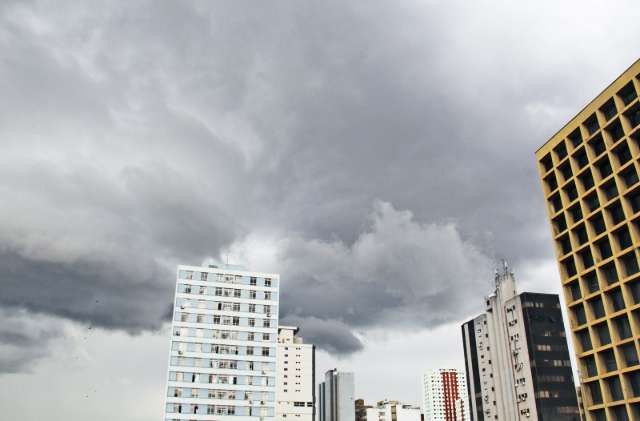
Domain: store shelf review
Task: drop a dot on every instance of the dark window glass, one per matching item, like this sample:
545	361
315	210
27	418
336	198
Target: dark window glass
628	93
608	360
595	392
633	115
575	290
590	366
622	152
615	131
556	202
565	244
551	181
576	213
597	145
616	213
597	223
634	382
592	201
546	162
604	167
585	340
630	263
617	301
581	158
615	389
579	314
609	273
629	354
623	327
634	289
609	109
591	282
598	414
575	137
630	176
604	248
620	412
597	308
561	151
586	179
565	170
610	190
592	124
559	223
569	266
571	191
587	258
634	201
581	234
623	237
603	334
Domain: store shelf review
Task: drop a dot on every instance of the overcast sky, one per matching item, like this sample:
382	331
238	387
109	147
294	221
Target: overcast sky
379	155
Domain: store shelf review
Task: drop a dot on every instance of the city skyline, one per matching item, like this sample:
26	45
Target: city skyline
380	156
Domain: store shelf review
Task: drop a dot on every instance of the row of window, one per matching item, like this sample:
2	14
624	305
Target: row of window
184	303
187	392
251	294
607	362
177	361
191	377
227	278
601	331
188	332
217	319
200	409
613	388
214	348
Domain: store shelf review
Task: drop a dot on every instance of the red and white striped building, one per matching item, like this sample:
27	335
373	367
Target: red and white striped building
445	395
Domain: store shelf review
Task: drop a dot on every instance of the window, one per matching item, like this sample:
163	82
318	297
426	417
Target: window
609	109
267	282
604	248
590	366
616	213
592	201
597	145
630	263
615	389
623	237
597	309
253	281
265	352
623	327
610	190
591	124
252	308
595	392
575	137
609	273
586	258
585	340
629	176
570	191
576	213
252	294
252	322
586	179
603	334
628	93
629	354
615	132
266	323
604	167
561	151
616	299
575	291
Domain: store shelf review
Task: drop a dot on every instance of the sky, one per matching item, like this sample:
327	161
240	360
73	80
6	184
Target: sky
378	155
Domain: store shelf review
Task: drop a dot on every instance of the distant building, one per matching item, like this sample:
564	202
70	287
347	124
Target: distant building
365	412
396	411
336	397
295	394
517	358
444	393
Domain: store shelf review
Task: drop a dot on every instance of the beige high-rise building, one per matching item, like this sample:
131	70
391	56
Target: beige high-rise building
589	172
295	394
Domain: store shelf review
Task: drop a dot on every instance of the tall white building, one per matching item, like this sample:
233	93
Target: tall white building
337	397
444	392
222	358
296	379
396	411
517	358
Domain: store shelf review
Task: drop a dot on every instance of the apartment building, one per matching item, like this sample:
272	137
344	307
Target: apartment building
517	358
444	392
589	172
222	357
396	411
296	378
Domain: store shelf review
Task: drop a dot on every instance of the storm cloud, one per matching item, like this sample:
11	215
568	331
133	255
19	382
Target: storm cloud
386	149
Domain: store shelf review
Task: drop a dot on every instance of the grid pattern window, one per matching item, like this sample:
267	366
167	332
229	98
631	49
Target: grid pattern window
221	363
589	172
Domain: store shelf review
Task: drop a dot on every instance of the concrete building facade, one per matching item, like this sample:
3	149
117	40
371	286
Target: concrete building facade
222	356
396	411
517	358
295	396
589	172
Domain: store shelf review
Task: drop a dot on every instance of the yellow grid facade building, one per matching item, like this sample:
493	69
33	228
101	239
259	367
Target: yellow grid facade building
590	179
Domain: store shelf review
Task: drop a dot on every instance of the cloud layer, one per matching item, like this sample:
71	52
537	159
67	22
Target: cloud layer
139	135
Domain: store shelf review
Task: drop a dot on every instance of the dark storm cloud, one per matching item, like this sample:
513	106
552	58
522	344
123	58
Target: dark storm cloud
138	135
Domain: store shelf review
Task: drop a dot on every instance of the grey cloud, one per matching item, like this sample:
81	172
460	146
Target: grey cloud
24	339
330	335
142	134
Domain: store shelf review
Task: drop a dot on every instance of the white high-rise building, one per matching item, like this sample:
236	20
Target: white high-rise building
222	358
337	397
444	392
296	379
